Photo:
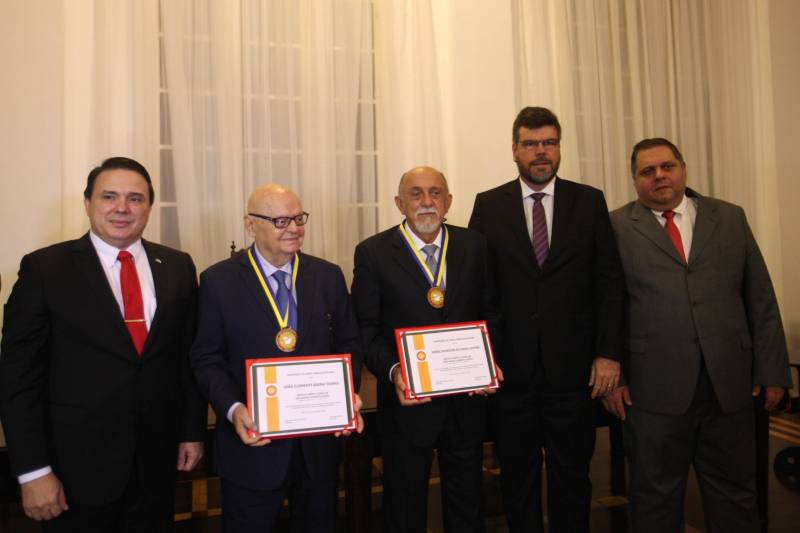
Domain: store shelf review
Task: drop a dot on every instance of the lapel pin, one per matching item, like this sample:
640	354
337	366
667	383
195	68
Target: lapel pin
157	260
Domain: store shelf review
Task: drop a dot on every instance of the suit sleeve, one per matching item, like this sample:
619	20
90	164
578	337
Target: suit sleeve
195	418
609	286
379	352
208	353
770	356
24	363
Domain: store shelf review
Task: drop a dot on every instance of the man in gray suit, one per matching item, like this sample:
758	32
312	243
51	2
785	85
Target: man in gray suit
703	334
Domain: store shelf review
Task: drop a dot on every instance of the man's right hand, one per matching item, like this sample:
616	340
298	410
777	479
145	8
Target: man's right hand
43	498
246	428
616	400
400	389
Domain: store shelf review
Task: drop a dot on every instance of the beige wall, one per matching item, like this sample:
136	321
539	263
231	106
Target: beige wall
785	42
30	130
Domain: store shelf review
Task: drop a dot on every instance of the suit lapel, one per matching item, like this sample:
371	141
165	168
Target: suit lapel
704	225
563	206
306	289
455	258
646	224
88	264
254	289
515	220
402	255
161	280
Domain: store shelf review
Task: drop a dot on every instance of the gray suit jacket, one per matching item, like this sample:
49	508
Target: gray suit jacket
721	307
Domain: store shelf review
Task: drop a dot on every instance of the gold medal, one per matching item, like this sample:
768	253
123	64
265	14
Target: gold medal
286	339
436	297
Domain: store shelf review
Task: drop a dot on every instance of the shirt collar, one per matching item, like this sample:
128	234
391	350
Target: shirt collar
419	243
108	254
549	190
269	268
680	209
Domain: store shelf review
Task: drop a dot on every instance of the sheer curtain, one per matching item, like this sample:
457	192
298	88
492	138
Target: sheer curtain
694	71
278	91
409	109
110	107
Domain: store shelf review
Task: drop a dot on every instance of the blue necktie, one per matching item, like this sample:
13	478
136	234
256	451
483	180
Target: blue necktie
285	298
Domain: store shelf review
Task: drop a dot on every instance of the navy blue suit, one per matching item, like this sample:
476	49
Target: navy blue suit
237	323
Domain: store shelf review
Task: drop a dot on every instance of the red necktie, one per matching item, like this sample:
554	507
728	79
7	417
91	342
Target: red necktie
132	300
674	234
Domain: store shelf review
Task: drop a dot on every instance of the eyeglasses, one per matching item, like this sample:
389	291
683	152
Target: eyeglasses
283	222
548	144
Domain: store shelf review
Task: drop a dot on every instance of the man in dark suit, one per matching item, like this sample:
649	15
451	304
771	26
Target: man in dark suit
703	333
97	396
237	322
561	289
391	290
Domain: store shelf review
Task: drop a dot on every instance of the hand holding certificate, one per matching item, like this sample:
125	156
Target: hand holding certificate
296	396
446	359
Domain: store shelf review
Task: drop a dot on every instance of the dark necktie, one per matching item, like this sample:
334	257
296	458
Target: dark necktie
285	298
541	247
132	300
430	257
674	234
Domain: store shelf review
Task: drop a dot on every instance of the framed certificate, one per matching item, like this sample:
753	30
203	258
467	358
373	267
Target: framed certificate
446	359
295	396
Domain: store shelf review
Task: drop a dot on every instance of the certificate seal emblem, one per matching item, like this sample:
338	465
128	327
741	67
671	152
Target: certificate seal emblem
436	297
272	390
286	339
421	356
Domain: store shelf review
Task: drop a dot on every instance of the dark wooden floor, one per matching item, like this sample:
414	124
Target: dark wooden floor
198	500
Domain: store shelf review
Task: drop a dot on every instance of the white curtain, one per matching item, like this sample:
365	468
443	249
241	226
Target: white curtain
271	91
409	109
110	105
693	71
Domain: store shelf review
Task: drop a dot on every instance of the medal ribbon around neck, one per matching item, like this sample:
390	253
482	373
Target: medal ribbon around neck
283	322
435	279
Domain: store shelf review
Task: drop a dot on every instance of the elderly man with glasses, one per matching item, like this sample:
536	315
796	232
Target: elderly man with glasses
271	300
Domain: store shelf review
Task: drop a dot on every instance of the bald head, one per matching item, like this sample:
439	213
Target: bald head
267	196
421	171
276	245
424	199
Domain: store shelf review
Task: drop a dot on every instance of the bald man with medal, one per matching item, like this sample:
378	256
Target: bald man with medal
424	273
271	301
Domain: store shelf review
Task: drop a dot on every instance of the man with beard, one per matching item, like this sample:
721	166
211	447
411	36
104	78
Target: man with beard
704	334
560	288
392	289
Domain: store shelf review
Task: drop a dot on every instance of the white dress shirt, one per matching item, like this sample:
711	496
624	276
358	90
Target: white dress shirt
111	267
685	215
547	203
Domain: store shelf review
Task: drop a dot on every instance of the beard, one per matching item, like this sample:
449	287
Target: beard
425	225
538	177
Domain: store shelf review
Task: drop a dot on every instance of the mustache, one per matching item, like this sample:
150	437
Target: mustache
538	161
426	211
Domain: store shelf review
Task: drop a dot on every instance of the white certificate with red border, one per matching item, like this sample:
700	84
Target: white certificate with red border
446	359
302	395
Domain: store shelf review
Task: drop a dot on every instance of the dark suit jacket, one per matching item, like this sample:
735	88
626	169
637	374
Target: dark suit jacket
722	305
74	393
569	311
389	291
236	323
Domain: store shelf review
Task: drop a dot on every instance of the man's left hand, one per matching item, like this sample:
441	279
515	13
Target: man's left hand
359	420
189	454
488	391
605	376
772	395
